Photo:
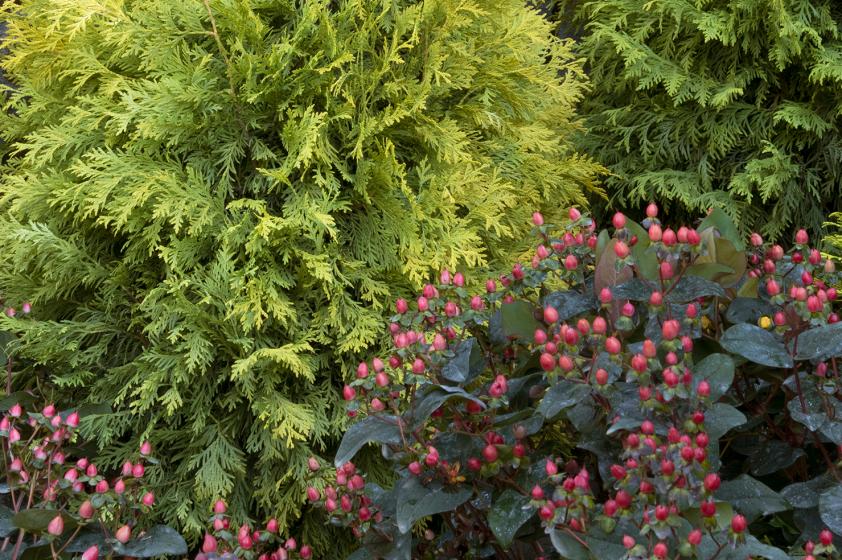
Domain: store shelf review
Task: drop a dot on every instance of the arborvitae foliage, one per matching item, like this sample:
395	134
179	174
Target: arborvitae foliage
717	103
209	202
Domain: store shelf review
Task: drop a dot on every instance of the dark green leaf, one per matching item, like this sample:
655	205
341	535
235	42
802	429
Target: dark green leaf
646	260
416	500
582	416
508	513
830	508
806	494
37	552
709	270
466	364
693	287
756	345
751	497
19	397
430	397
723	222
569	303
722	417
633	290
813	415
773	456
821	343
381	428
160	540
36	520
87	539
748	310
832	430
718	370
7	526
563	394
568	547
518	321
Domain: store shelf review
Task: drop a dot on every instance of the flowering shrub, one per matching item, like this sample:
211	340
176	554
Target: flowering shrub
56	506
635	393
249	543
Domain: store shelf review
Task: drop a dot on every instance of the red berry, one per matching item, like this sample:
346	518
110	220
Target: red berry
209	544
621	250
490	453
712	482
601	376
546	512
708	509
612	345
826	537
550	315
123	534
738	523
619	220
660	550
652	210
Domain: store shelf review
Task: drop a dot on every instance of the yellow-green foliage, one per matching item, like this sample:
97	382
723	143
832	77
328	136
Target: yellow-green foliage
211	203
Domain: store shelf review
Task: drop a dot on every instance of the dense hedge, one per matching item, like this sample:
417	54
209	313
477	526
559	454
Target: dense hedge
729	104
208	204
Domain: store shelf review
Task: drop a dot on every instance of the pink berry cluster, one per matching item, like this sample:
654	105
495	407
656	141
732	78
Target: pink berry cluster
623	337
42	475
345	501
248	543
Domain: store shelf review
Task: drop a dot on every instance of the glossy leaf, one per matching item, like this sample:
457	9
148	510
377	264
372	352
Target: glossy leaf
689	288
748	310
563	394
415	500
570	304
518	321
723	222
466	363
773	456
718	371
820	343
7	526
756	345
830	508
720	418
380	429
751	497
160	540
508	513
431	397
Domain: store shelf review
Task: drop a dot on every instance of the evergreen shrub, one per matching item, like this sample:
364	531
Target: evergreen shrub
733	104
209	202
635	393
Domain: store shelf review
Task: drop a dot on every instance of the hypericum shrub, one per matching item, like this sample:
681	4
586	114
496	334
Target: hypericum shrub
250	543
211	203
722	103
55	504
642	392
